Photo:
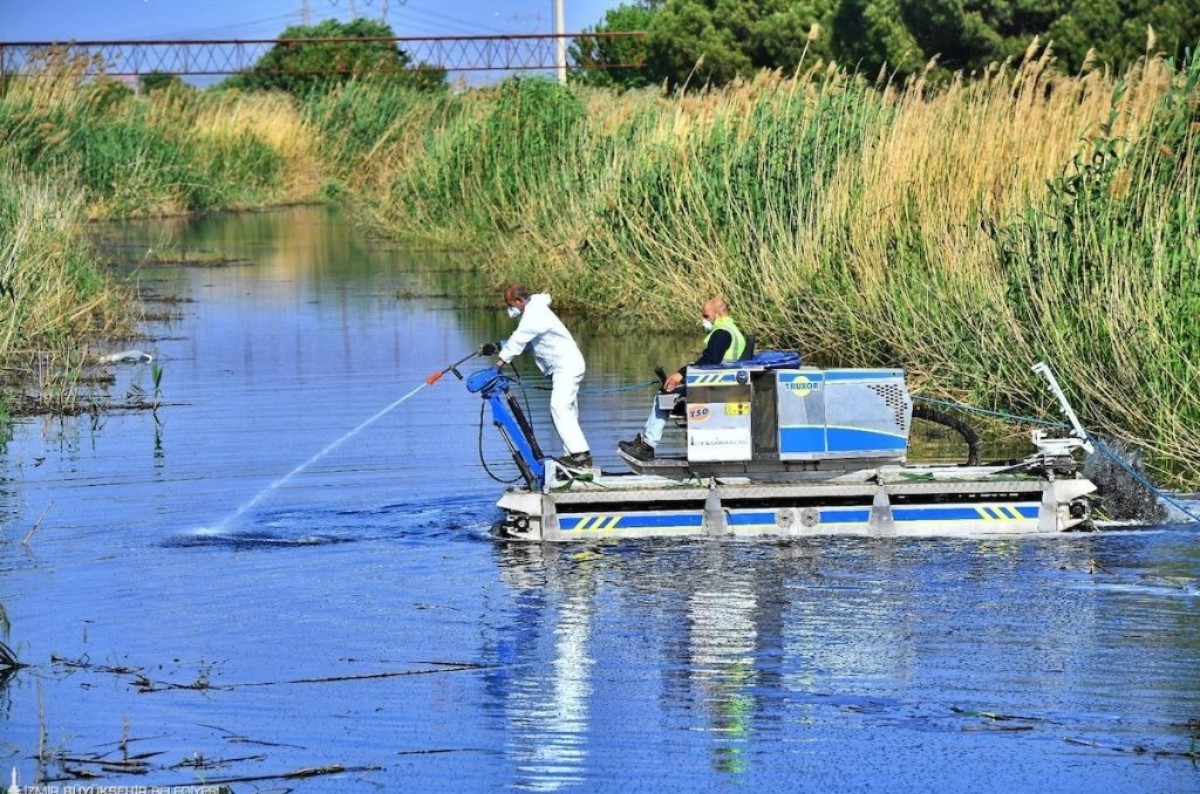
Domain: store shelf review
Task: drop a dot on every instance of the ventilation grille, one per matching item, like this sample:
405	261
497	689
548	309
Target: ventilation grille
895	397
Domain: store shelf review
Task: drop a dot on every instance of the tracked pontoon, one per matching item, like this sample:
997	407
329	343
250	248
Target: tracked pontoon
778	449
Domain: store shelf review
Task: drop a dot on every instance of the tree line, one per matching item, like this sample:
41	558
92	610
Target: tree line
694	43
711	42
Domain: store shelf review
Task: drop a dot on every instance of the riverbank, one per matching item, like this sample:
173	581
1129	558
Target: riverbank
77	151
962	232
56	297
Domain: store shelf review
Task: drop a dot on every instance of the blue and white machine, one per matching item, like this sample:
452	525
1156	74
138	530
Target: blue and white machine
779	449
770	410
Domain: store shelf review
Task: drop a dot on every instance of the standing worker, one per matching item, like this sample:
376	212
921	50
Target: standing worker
558	357
723	343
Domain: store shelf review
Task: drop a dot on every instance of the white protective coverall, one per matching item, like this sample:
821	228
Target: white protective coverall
558	357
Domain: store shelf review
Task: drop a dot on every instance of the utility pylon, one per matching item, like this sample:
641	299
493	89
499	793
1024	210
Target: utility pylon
560	44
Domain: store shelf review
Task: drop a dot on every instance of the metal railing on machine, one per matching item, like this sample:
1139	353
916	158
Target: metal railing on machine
213	57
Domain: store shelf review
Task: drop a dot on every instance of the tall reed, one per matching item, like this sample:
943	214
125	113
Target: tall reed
962	232
75	149
54	298
172	151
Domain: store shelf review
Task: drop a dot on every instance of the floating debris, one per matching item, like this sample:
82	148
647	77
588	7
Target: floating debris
126	357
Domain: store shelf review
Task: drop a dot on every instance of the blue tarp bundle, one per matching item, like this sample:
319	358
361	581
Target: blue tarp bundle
767	359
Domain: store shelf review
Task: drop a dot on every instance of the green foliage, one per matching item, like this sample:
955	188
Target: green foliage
905	228
51	291
107	94
611	61
710	42
367	115
31	137
968	35
6	427
125	160
773	160
514	156
1113	249
1115	31
869	35
1160	209
136	166
702	42
312	58
161	81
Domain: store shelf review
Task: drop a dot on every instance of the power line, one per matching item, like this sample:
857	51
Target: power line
425	19
255	26
457	25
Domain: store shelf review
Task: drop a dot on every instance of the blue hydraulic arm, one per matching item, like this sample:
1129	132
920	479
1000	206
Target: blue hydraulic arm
493	386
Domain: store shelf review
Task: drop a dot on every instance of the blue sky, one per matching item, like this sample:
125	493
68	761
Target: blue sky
60	20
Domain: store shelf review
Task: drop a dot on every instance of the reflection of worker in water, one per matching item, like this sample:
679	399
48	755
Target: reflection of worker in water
543	679
557	356
723	343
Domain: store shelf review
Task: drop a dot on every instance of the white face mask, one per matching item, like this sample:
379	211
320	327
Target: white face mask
708	326
514	312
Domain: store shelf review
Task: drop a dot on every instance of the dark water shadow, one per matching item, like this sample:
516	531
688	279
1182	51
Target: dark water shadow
426	521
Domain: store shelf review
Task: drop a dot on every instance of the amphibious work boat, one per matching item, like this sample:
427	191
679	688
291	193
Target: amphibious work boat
775	448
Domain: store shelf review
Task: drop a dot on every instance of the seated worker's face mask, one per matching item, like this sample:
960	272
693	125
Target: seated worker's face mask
707	323
514	312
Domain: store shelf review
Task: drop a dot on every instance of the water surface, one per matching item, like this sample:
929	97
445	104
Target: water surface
172	603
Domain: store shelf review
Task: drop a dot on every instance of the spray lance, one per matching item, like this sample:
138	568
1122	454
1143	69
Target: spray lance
432	379
488	349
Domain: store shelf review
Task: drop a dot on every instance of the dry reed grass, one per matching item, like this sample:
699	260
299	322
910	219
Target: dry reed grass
55	299
929	228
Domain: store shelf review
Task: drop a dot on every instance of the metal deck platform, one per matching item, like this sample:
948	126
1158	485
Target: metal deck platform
889	501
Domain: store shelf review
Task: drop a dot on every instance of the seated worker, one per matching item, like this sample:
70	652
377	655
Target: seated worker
723	343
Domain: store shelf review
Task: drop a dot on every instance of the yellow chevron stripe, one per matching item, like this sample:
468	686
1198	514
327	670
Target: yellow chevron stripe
1000	513
711	380
598	522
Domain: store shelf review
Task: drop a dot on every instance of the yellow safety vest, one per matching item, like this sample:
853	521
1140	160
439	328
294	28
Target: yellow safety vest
737	346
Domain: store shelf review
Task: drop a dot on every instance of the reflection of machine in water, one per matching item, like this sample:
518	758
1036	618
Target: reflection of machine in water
725	655
542	682
722	641
701	630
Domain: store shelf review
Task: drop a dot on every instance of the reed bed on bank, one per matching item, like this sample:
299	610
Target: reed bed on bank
54	298
170	152
963	232
75	149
